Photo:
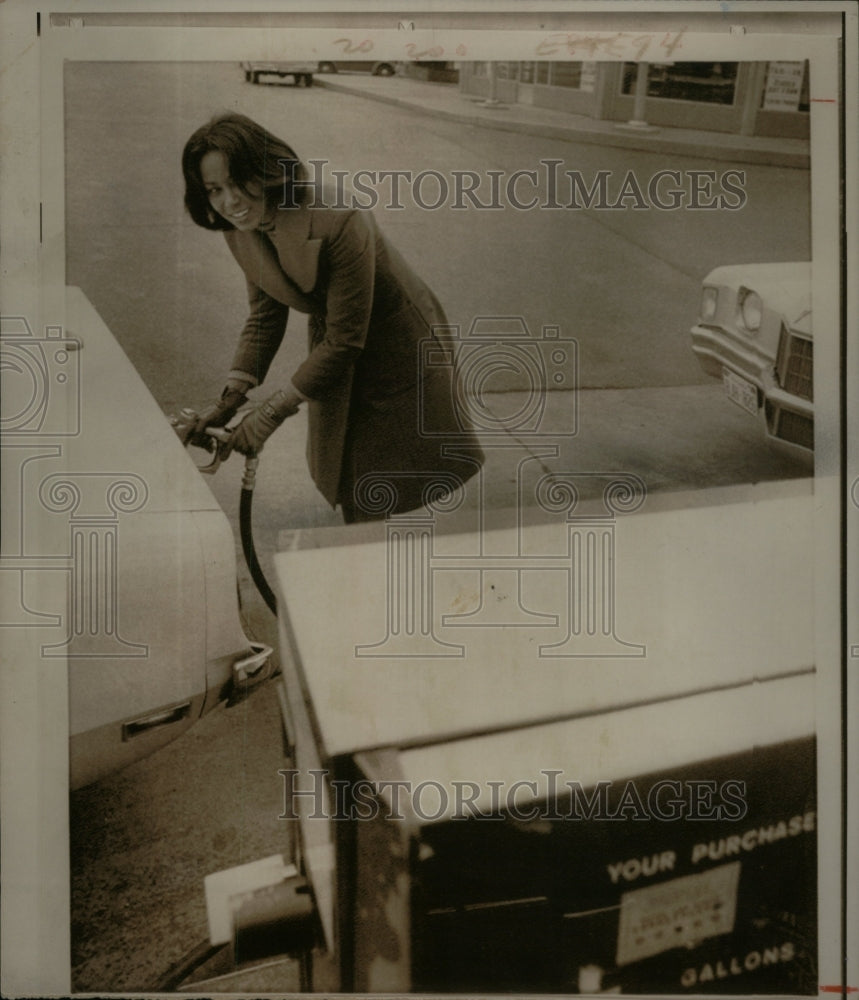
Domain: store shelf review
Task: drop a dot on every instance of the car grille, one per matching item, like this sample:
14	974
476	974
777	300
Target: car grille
789	426
795	428
795	364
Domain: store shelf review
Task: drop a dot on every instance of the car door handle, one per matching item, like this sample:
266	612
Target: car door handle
164	717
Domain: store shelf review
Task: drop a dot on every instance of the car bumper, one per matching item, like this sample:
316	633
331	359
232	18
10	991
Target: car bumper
788	420
715	350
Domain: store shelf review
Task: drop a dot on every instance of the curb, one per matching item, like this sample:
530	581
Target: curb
644	142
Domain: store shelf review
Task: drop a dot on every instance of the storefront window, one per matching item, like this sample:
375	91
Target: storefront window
480	69
526	72
542	72
507	70
566	74
710	83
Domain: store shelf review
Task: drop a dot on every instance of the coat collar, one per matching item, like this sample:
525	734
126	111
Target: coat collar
283	261
297	251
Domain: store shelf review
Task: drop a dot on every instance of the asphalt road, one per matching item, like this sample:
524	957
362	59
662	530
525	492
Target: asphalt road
624	283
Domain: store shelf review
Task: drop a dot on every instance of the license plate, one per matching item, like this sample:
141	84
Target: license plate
740	390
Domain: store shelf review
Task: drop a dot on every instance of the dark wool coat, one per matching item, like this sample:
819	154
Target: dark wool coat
379	375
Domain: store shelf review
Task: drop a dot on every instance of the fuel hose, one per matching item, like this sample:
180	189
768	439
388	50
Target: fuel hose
246	500
183	425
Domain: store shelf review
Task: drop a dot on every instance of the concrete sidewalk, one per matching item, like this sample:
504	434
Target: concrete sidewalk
444	100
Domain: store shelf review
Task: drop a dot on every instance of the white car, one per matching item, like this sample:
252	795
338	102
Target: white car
754	332
118	563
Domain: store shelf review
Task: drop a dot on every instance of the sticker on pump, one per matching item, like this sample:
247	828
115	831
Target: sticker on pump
679	913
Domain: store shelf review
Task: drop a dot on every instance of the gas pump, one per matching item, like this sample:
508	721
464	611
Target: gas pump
591	828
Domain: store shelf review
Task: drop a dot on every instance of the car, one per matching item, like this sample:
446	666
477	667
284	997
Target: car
359	66
301	72
754	332
125	574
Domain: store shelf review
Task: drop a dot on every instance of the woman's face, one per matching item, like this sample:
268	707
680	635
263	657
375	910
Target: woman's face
244	211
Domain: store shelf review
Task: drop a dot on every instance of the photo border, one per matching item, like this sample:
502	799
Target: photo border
35	843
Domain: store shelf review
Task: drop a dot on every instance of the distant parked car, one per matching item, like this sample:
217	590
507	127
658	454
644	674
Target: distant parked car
301	72
352	66
754	332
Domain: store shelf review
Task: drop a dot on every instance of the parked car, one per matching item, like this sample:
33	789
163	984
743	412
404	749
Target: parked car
754	332
301	72
125	570
359	66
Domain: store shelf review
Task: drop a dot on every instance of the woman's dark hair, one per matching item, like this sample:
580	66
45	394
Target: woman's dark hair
253	155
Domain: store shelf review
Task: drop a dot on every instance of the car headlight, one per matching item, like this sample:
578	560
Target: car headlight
751	309
709	298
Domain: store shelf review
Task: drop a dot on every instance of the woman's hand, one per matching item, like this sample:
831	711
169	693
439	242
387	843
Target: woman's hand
260	423
219	413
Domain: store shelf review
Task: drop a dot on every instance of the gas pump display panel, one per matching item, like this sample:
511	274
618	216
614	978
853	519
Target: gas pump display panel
662	908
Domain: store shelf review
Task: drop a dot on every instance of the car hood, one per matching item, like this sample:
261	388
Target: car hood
786	287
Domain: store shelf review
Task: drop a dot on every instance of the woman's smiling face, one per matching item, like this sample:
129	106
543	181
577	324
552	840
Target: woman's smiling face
244	211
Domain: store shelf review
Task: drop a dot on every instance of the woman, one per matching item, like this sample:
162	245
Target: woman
376	407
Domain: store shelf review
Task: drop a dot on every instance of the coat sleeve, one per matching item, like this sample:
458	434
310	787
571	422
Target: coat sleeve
261	336
350	273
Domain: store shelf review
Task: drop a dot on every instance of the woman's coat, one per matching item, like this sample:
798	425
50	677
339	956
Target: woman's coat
380	373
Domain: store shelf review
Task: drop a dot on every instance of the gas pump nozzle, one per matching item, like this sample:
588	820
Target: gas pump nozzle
184	425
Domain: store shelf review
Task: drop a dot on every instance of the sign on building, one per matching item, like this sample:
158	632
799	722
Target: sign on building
783	86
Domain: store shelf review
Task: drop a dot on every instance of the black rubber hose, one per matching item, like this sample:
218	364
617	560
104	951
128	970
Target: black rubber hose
246	500
180	971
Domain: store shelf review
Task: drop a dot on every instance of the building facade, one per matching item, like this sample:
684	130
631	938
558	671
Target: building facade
751	98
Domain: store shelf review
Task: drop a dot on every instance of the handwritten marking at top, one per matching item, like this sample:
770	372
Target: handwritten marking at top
618	44
436	52
350	46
